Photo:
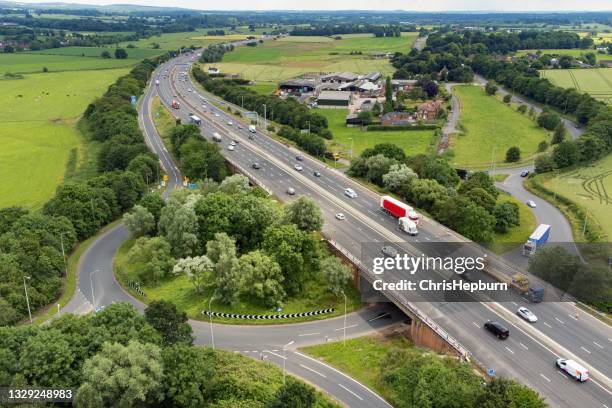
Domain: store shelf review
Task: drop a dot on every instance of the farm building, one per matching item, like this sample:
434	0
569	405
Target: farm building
298	85
397	119
403	84
334	99
339	77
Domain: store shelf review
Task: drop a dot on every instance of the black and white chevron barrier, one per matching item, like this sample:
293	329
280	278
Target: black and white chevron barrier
266	317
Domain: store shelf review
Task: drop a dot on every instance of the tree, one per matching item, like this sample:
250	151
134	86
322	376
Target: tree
544	163
336	274
120	323
154	258
145	166
566	154
154	204
506	216
513	154
481	197
304	213
591	147
169	322
236	184
378	166
521	108
105	54
491	88
120	53
556	266
548	120
438	169
263	278
388	107
365	117
479	179
376	109
179	225
222	252
559	134
504	393
122	376
388	150
139	221
507	98
465	217
426	192
294	394
198	269
398	178
46	358
190	374
542	146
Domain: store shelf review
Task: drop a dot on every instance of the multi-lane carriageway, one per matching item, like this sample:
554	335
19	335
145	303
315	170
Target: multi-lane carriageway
528	355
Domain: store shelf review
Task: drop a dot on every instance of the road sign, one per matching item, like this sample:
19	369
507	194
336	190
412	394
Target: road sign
491	372
133	100
165	177
192	186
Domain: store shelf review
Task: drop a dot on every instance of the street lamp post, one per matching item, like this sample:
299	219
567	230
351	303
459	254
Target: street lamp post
344	325
25	288
212	334
285	358
63	253
93	296
265	117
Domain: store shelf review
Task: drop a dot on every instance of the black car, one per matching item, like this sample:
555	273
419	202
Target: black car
256	166
524	173
317	174
497	329
299	157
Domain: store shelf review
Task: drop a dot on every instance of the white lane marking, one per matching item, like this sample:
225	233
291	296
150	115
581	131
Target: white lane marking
308	334
314	371
355	395
585	349
559	320
523	346
562	374
544	377
572	316
604	405
427	238
347	327
511	352
274	354
547	325
598	345
474	323
514	303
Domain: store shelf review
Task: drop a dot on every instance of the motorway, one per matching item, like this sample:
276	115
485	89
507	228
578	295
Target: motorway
530	353
527	356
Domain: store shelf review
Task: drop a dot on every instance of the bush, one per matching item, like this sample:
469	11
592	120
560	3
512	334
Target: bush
548	120
507	98
542	146
513	154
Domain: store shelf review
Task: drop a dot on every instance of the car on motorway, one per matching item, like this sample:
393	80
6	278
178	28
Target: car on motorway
189	90
299	157
531	204
230	148
575	370
341	216
349	192
298	167
497	329
236	141
389	251
291	191
230	123
217	115
524	173
233	143
256	166
316	174
239	127
527	314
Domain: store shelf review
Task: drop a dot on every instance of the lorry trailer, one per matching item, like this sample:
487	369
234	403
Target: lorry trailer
536	239
195	120
398	209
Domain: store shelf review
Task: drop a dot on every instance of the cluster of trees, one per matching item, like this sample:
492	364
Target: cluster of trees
443	65
199	159
215	52
414	379
430	183
287	112
332	29
119	358
309	142
215	32
233	238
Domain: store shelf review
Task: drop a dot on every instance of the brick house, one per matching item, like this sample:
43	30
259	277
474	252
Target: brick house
429	110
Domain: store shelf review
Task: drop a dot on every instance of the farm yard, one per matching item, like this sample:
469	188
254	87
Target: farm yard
596	82
288	57
38	133
490	128
412	141
589	187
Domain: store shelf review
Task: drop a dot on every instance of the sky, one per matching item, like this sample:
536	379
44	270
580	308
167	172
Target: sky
408	5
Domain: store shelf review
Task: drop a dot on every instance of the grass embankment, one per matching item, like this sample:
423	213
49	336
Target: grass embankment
411	141
39	134
276	60
516	235
490	128
164	121
580	193
180	291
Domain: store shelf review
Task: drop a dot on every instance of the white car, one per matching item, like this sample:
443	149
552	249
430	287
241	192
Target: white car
298	167
230	148
349	192
341	216
217	115
189	90
531	204
233	143
527	314
230	123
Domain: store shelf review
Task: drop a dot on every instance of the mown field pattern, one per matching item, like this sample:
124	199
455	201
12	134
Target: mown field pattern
37	130
590	187
276	60
596	82
491	128
413	142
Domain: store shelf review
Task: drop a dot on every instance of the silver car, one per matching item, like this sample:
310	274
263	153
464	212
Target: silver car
527	314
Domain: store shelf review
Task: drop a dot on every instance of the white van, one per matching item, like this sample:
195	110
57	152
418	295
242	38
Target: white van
574	369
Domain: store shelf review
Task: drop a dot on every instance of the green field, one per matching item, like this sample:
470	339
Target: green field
30	63
288	57
134	54
574	52
596	82
515	236
38	117
589	187
413	141
173	41
491	127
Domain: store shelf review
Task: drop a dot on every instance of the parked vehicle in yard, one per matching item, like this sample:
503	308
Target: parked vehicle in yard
398	209
575	370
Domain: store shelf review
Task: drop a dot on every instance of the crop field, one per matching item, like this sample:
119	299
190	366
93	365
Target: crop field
173	41
491	127
38	133
590	187
293	56
412	141
596	82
